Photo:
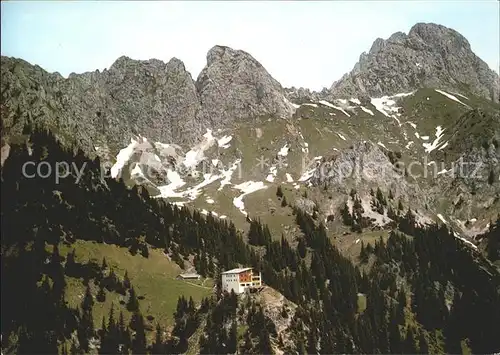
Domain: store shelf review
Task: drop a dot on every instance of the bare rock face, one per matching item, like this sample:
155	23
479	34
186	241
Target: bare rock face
133	97
429	56
235	86
363	166
148	98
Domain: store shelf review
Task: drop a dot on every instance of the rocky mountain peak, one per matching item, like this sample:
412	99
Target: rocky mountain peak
151	98
434	34
430	55
224	53
176	65
234	85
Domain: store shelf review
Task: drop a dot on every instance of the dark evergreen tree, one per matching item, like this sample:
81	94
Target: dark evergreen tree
158	345
233	338
139	341
101	295
133	302
279	191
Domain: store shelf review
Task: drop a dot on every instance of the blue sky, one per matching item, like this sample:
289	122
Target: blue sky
301	43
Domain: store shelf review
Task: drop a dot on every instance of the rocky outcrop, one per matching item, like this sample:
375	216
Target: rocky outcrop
302	95
363	166
429	56
148	98
133	97
234	85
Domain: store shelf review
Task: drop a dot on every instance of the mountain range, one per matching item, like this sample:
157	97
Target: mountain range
163	102
393	170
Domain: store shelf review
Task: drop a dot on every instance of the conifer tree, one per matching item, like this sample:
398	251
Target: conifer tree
103	330
279	191
101	295
423	344
88	300
312	342
158	345
126	281
232	338
264	344
491	177
104	264
301	247
70	264
133	302
139	341
363	255
410	346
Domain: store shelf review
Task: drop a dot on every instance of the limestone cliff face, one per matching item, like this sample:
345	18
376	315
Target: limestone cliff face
429	55
151	98
162	102
234	85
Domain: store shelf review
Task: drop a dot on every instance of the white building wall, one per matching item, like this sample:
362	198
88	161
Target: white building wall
230	282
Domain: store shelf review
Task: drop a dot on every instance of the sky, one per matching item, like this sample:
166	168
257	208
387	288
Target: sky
301	43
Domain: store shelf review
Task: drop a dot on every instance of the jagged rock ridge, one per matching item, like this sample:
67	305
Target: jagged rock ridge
429	56
133	97
163	102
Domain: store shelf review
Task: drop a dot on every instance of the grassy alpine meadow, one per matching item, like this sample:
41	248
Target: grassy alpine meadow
153	279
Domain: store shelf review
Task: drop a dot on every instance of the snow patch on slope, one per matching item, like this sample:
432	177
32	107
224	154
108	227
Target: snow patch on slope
440	216
387	105
272	174
382	145
223	142
123	157
328	104
227	174
176	182
284	151
196	154
429	147
367	110
450	96
247	188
